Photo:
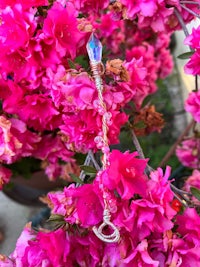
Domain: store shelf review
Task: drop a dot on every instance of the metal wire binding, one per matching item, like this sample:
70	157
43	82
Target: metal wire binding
97	68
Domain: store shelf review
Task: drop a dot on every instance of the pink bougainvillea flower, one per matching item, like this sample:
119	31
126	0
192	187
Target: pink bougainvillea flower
55	245
25	3
188	226
22	242
10	145
125	174
159	191
70	91
80	129
62	26
90	5
193	65
192	39
146	53
193	181
137	219
150	13
16	28
16	140
5	175
140	257
81	205
37	110
188	151
52	148
192	105
140	82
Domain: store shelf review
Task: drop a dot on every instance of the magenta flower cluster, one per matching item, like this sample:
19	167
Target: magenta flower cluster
188	151
141	209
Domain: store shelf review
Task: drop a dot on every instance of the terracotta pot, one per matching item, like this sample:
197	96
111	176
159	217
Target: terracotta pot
28	191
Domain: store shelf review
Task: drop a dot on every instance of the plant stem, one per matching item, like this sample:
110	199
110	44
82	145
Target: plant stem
179	199
180	192
196	84
190	11
189	2
96	165
182	23
138	147
173	147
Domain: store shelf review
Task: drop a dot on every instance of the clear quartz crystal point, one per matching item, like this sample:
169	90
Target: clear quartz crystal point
94	49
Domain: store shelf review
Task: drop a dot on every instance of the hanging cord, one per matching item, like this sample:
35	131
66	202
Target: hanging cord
94	49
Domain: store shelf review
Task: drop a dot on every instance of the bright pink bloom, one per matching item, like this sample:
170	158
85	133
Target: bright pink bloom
52	148
166	62
55	245
69	91
125	174
188	226
9	143
192	39
193	181
137	219
146	53
151	13
16	28
159	191
5	175
16	140
26	4
81	128
192	105
140	257
188	151
90	5
193	65
61	25
37	110
80	205
141	83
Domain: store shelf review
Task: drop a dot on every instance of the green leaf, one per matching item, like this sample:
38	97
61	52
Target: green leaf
186	55
56	217
76	178
195	192
88	169
71	64
140	125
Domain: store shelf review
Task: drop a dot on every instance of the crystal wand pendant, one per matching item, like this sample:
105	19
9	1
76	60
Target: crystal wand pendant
94	49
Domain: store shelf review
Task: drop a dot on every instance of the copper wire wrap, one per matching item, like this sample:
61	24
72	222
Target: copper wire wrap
98	70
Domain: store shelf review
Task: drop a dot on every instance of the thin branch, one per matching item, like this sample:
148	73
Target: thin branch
181	21
189	2
181	200
82	174
96	165
182	193
190	11
173	147
138	147
196	83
